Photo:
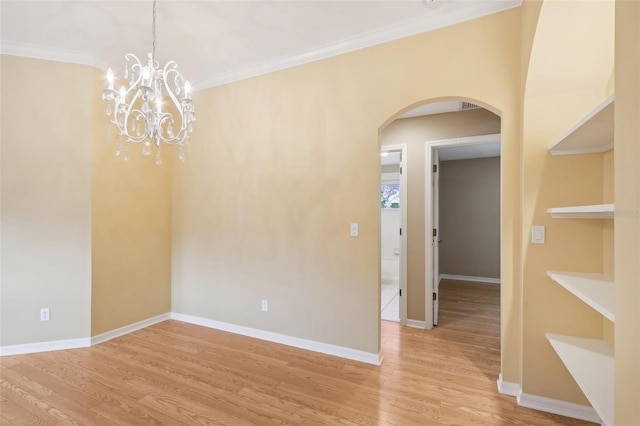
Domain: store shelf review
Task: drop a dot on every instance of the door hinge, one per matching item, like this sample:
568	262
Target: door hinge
400	170
400	231
435	296
435	168
435	232
400	292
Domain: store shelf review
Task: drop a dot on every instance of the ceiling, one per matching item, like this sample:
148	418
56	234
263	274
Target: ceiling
217	42
464	152
468	152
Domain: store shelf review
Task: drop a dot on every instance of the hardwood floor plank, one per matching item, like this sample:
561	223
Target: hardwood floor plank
38	408
175	373
185	412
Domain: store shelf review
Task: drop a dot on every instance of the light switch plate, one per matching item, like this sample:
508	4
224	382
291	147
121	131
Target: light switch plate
537	234
354	230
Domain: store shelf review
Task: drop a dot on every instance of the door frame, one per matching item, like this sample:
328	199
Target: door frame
428	228
403	226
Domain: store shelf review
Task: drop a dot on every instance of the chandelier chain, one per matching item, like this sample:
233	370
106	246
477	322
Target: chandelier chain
154	30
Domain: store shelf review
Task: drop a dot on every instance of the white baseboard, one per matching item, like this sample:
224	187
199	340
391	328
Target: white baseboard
325	348
470	278
112	334
416	324
548	405
55	345
85	342
508	388
563	408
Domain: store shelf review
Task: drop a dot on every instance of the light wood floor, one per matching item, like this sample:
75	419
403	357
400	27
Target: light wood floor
175	373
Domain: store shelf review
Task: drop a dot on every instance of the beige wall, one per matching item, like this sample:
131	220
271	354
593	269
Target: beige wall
46	200
131	230
284	162
627	224
470	217
84	233
291	158
415	132
555	98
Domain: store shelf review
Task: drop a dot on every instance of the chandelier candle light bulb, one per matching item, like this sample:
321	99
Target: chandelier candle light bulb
129	110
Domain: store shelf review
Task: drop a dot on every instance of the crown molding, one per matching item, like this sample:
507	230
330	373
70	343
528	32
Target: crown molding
467	11
464	11
49	54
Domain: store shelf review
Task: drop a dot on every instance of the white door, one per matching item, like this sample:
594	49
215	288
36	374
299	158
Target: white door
435	240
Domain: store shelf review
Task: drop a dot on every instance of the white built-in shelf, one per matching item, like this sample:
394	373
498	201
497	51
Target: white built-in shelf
596	211
590	362
594	133
596	290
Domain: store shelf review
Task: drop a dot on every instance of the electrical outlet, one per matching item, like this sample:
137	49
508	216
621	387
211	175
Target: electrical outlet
45	314
265	305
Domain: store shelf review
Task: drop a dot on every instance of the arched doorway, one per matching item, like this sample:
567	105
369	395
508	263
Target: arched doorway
424	129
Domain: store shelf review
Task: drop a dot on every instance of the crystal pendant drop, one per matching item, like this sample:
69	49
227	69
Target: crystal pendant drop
170	131
118	148
181	154
190	127
126	153
109	109
109	132
158	158
146	150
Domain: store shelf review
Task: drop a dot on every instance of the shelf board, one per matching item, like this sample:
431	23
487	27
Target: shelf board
594	133
596	211
596	290
590	362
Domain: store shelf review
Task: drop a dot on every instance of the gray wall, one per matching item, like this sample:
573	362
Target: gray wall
470	217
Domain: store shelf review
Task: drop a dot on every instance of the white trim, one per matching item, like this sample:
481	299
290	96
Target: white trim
325	348
548	405
402	258
555	406
416	324
49	54
508	388
464	11
470	278
112	334
428	219
574	151
54	345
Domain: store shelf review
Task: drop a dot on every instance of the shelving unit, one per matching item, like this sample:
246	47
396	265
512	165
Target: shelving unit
596	290
589	361
594	133
596	211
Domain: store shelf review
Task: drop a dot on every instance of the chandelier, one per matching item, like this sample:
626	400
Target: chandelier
152	107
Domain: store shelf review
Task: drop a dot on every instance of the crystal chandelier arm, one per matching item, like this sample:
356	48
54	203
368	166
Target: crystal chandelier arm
169	74
125	108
